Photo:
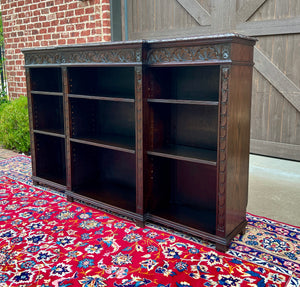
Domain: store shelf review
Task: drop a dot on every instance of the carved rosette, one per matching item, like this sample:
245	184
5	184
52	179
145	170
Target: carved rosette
82	57
191	54
139	133
225	71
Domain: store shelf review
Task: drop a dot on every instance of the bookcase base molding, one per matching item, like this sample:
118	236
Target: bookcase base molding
152	130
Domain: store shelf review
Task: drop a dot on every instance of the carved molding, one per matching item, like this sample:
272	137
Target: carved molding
89	56
225	71
194	53
139	133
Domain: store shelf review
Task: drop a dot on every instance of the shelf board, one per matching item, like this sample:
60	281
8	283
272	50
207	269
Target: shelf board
110	193
118	143
183	102
50	132
102	98
190	154
176	214
46	93
54	181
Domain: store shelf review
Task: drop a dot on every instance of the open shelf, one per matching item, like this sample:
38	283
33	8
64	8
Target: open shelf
185	84
117	82
103	122
200	219
48	113
104	175
183	192
46	79
125	144
50	132
50	158
178	152
187	131
183	102
110	98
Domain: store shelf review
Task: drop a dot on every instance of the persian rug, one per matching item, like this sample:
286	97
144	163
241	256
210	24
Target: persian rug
48	241
270	244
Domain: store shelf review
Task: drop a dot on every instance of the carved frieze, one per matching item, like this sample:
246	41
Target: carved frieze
192	54
83	57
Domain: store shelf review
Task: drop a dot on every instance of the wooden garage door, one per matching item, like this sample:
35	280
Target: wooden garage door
275	125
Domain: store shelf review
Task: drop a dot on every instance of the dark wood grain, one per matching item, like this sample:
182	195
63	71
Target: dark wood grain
155	130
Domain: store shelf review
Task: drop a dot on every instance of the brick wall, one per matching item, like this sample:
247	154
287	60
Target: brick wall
39	23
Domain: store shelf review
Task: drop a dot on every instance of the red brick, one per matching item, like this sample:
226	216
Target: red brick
89	10
70	13
61	41
53	9
42	5
85	33
72	5
79	11
81	41
84	18
63	7
47	36
60	28
71	41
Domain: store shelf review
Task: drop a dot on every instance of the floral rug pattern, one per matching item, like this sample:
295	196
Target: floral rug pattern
47	241
267	244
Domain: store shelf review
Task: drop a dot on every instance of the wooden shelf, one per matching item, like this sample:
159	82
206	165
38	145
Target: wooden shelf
125	144
47	93
103	98
52	132
201	219
190	154
56	182
183	102
111	193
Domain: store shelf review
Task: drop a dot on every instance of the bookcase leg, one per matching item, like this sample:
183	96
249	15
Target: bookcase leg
70	198
140	223
243	231
221	247
35	182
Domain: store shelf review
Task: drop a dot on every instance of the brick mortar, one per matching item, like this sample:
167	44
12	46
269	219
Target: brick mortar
50	23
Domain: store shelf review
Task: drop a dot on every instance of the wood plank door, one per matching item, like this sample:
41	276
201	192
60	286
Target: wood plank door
275	124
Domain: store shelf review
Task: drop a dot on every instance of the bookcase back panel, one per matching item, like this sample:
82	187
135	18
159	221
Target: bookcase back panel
99	81
104	175
52	168
186	83
93	166
184	192
99	119
186	125
48	113
46	79
183	183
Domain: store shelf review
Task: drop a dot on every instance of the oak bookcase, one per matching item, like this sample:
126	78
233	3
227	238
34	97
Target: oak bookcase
153	130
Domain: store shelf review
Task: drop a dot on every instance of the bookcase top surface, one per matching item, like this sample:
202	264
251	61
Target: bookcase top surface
229	37
186	51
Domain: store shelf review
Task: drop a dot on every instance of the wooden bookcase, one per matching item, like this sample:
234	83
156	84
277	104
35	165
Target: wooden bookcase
154	130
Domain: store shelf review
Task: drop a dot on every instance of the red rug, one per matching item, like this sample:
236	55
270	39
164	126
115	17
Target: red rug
47	241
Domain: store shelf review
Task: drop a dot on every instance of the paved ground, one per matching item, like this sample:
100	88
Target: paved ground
4	153
274	187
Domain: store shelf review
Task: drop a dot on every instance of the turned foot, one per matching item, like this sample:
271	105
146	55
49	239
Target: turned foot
221	247
70	198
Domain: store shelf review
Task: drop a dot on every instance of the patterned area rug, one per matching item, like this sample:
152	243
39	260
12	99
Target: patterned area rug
55	243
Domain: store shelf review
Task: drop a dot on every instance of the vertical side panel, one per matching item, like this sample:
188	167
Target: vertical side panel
67	126
222	150
238	139
30	113
139	139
